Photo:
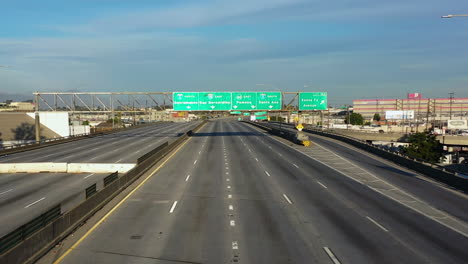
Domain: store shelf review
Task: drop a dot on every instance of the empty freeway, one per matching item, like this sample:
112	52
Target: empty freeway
233	194
24	196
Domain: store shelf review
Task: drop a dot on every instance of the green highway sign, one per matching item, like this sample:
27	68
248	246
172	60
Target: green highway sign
260	113
256	100
185	101
214	101
235	112
226	101
313	101
246	114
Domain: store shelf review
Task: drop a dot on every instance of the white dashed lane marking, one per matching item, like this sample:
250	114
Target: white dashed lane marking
323	185
6	191
33	203
235	246
173	207
331	255
287	198
377	224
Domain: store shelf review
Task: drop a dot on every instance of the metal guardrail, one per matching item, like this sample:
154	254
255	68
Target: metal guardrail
15	146
90	191
111	178
23	232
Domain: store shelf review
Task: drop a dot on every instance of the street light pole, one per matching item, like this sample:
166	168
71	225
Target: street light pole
451	100
451	16
347	116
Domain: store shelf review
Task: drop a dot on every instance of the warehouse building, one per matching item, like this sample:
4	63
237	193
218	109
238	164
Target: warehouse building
424	109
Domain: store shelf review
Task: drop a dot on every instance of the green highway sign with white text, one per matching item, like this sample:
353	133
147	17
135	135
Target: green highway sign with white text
226	101
313	101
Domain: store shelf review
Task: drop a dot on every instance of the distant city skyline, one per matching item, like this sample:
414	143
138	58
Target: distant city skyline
350	49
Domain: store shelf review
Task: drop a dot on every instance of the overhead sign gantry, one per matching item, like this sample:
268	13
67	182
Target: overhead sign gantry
226	101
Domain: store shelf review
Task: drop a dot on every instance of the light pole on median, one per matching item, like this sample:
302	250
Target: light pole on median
452	16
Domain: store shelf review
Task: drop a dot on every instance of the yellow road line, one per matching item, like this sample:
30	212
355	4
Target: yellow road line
116	206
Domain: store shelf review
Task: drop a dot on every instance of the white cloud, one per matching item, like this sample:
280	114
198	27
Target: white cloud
223	12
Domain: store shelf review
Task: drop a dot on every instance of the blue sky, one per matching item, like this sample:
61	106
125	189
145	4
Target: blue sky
352	49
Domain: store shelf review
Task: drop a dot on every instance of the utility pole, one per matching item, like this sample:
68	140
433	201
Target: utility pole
451	100
37	122
347	116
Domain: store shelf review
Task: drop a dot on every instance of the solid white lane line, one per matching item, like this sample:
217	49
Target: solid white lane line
232	223
173	207
323	185
332	256
295	166
281	155
235	245
267	173
6	191
188	176
256	159
195	162
33	203
377	224
231	207
118	161
87	176
287	198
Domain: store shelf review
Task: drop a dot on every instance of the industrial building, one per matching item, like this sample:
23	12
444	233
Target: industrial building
438	109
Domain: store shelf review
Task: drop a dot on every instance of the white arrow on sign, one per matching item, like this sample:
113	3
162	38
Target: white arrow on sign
322	102
270	106
212	107
235	106
188	107
253	106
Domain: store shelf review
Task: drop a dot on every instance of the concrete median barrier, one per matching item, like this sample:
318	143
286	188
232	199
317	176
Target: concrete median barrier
35	167
63	167
99	167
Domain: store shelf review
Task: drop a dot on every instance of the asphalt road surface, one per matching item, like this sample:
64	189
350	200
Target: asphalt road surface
25	196
233	194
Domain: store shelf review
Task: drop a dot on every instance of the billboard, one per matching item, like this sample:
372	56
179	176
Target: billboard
399	115
414	96
457	124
